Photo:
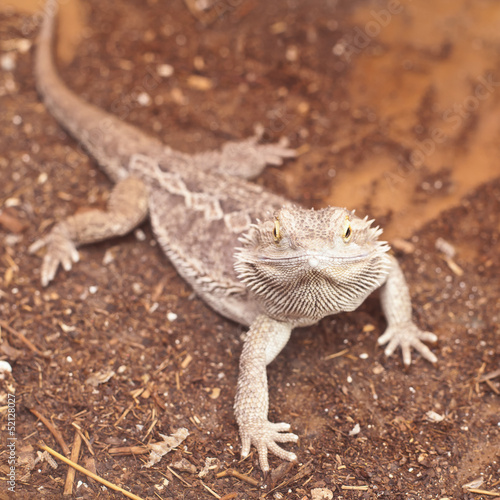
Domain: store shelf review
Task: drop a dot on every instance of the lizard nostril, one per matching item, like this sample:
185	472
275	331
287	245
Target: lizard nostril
313	262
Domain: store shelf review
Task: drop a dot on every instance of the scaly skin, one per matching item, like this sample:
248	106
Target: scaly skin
251	255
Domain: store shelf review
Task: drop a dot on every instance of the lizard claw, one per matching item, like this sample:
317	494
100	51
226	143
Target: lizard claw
265	436
60	250
408	335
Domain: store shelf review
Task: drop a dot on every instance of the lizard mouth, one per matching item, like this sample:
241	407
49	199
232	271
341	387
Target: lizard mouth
315	259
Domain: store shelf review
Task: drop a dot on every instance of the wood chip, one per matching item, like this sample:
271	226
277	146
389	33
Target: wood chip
186	361
215	393
198	82
12	224
278	28
184	465
75	454
402	245
100	377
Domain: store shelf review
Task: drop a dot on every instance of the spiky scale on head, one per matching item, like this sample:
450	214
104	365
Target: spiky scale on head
302	265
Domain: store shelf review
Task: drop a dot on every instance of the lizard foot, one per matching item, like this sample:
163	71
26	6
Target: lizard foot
407	335
60	250
264	436
272	154
249	158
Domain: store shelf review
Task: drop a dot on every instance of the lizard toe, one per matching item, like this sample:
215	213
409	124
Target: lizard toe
265	437
37	245
407	336
60	251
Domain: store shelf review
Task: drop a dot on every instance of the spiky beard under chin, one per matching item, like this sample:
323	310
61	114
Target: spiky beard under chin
307	295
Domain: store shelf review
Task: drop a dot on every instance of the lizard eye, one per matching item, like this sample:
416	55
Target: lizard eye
347	230
276	231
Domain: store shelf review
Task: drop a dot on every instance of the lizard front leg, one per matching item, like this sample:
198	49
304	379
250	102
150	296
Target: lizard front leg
266	338
127	208
401	331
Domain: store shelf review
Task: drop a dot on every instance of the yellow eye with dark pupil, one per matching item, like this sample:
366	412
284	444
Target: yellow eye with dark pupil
347	231
276	231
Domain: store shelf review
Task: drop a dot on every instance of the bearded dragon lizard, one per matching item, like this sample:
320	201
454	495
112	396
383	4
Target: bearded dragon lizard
253	256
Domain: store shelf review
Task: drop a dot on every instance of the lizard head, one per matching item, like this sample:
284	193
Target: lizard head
302	265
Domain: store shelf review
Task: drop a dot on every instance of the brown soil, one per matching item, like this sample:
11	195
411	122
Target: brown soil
396	114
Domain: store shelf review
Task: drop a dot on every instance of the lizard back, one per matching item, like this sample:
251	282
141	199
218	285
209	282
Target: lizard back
198	218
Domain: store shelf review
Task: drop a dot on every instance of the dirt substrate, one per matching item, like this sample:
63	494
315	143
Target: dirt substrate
121	351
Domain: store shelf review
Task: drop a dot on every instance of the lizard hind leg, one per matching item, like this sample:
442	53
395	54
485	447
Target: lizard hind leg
248	158
245	159
127	208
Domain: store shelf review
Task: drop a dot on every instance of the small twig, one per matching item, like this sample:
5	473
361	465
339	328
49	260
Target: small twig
309	480
23	339
124	414
490	375
210	490
129	450
484	492
53	430
88	473
151	427
489	383
336	354
238	475
359	488
75	453
337	431
303	471
479	375
85	440
179	477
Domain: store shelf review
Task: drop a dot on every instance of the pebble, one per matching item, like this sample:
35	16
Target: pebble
8	62
432	416
165	70
144	99
4	368
355	430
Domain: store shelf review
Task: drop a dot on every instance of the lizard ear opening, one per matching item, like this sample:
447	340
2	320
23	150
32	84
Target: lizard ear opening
276	231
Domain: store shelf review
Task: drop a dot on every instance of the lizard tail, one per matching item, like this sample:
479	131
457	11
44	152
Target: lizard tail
105	137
